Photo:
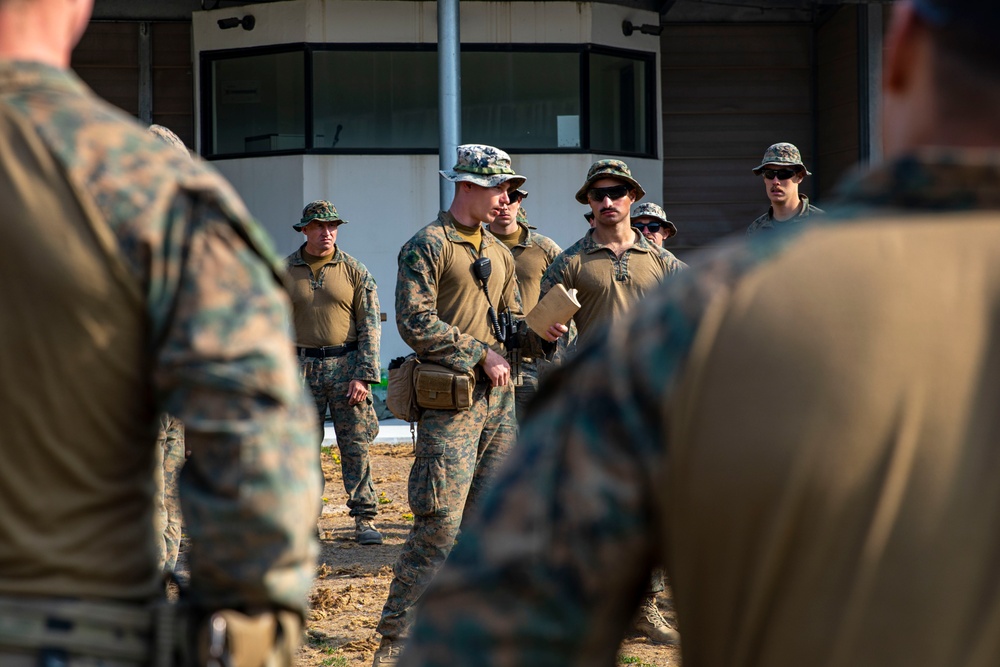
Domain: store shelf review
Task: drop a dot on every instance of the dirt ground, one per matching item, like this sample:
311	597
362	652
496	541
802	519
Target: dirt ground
352	581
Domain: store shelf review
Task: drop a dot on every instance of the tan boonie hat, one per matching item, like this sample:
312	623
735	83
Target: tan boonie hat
318	210
483	165
783	154
609	169
651	210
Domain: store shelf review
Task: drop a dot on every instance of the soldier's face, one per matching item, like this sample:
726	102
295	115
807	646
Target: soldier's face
485	203
507	217
657	237
608	211
782	191
321	236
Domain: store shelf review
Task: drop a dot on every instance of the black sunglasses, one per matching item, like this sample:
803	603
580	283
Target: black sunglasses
615	192
782	174
514	196
651	226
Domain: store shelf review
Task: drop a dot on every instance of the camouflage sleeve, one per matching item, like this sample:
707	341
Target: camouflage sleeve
560	551
428	335
367	320
671	263
224	366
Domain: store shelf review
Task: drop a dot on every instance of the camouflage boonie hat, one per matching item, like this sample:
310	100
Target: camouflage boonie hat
483	165
651	210
609	169
318	210
783	154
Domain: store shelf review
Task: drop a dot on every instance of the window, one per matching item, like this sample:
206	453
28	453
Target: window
258	103
385	100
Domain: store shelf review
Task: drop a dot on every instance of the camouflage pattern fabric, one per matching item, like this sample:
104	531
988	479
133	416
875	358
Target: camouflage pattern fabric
584	506
171	454
483	165
651	210
355	425
457	456
781	154
208	340
766	222
318	210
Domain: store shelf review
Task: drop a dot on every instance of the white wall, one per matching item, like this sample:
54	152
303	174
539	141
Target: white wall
387	198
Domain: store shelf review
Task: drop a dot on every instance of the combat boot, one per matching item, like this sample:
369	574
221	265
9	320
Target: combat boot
387	653
365	531
653	626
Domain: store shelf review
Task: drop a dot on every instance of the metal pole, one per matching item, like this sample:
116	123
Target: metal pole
869	83
449	92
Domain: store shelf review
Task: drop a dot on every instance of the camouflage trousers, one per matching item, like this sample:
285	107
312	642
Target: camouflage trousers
457	455
355	425
170	456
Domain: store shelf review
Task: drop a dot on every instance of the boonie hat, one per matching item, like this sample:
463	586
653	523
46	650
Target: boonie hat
483	165
781	153
609	169
651	210
318	210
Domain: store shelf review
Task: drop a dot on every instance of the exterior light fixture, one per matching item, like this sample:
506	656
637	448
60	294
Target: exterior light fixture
645	28
248	22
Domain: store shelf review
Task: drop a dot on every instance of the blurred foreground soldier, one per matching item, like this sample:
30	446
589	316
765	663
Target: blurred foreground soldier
824	493
157	294
171	452
337	328
442	312
533	253
652	221
783	171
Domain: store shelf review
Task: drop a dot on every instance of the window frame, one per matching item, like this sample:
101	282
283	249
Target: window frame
206	108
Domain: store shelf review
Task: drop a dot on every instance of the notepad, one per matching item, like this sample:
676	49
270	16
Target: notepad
558	305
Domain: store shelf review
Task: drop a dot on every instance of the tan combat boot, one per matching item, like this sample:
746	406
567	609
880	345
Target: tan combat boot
653	626
365	531
387	653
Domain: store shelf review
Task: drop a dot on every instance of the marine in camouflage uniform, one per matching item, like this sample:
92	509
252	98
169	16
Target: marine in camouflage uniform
158	293
533	253
171	451
610	280
338	327
441	313
651	220
844	510
783	191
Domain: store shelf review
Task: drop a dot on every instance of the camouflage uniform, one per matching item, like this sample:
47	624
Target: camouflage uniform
171	456
782	154
328	378
651	210
820	521
158	294
532	255
766	221
441	312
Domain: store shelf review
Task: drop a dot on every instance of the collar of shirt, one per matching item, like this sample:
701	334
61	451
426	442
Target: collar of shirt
590	245
297	259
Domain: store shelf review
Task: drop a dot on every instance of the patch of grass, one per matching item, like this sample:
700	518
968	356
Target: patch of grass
633	660
407	516
334	661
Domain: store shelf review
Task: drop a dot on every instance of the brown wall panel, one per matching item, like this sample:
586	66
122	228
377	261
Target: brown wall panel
728	94
837	98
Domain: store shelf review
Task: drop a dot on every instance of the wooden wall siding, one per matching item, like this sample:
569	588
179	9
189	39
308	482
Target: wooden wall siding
173	78
837	111
729	92
107	59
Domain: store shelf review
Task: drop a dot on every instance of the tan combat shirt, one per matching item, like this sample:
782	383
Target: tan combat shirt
608	286
441	309
533	253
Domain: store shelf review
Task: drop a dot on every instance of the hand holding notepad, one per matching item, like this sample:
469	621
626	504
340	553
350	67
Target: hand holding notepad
557	306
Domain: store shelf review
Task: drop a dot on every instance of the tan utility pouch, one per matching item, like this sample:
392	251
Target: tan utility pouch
400	396
233	639
441	388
